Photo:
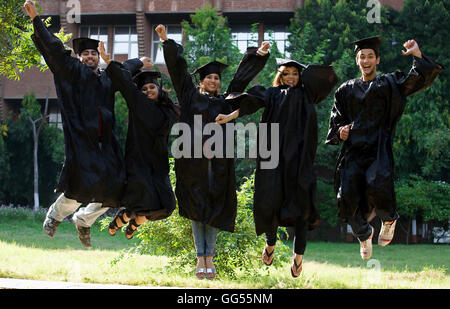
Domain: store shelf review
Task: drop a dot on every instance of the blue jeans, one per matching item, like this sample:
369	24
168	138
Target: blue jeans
204	238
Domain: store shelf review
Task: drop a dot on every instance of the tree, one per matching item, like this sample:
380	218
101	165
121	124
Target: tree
322	33
17	152
4	161
208	38
17	50
37	120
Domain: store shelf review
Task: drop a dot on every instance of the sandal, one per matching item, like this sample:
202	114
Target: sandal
131	228
211	273
113	227
200	273
266	256
298	269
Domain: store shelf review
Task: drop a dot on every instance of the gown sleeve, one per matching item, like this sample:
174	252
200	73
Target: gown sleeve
133	65
250	65
251	101
422	74
177	67
58	59
318	82
337	118
142	107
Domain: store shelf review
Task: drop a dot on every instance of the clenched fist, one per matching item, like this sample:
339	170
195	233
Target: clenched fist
344	132
161	31
30	7
147	62
264	49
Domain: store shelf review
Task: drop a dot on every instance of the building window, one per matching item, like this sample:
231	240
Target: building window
55	116
280	35
174	32
97	33
243	37
126	41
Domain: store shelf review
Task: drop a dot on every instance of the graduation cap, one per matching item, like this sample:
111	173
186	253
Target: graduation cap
81	44
289	63
147	77
210	68
373	42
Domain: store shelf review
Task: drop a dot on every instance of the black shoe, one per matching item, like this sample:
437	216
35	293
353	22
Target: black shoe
84	234
50	225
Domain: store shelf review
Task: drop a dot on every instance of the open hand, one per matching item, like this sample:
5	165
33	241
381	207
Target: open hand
30	7
412	48
161	31
102	52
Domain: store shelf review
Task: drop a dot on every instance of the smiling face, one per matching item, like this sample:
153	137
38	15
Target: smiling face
151	91
367	61
289	76
90	57
211	83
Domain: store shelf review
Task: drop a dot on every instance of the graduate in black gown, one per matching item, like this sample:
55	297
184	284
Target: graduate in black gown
93	170
286	195
364	116
148	194
206	187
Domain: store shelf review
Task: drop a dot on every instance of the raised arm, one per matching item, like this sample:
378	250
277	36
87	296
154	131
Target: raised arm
52	49
251	64
422	74
177	67
147	112
318	81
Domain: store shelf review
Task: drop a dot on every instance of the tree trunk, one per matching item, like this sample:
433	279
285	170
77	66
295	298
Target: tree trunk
413	231
36	169
409	230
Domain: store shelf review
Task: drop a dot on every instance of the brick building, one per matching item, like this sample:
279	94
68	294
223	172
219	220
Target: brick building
126	26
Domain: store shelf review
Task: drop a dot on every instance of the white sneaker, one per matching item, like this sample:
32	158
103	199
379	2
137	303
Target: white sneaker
386	233
365	247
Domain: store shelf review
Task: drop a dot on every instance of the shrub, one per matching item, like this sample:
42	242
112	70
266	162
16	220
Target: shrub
235	252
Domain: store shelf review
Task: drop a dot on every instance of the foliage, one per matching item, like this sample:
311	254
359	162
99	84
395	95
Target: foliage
17	50
323	32
17	154
235	252
208	39
121	118
431	199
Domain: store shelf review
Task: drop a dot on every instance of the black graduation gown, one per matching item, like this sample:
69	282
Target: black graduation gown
288	192
364	170
206	188
91	173
148	190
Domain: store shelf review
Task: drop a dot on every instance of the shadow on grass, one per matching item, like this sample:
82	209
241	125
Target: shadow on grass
27	231
394	257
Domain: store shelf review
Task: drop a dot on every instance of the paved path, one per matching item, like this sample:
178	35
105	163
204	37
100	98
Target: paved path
36	284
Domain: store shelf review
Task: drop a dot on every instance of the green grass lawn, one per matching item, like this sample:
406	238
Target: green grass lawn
27	253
